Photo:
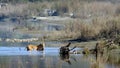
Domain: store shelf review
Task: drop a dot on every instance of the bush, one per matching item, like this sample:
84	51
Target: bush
98	28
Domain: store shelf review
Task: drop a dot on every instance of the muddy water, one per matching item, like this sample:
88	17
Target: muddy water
18	57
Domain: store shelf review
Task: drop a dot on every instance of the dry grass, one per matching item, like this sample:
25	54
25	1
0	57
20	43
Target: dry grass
82	9
97	28
104	17
13	9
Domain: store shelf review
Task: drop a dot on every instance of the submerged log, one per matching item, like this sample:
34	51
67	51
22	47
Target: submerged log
65	49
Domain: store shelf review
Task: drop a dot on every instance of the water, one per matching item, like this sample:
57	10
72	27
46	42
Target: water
19	57
23	51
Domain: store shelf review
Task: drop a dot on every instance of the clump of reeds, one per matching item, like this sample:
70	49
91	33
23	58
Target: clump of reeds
86	51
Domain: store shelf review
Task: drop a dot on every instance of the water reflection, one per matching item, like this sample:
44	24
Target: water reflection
65	57
104	61
114	60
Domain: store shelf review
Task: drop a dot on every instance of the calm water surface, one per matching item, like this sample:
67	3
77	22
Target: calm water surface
19	57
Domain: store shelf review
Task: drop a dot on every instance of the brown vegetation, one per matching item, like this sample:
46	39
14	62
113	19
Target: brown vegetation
102	47
95	29
82	9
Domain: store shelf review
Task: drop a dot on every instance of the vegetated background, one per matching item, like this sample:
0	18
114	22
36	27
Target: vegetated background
93	19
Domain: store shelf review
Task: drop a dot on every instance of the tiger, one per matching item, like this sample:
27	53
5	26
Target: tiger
39	47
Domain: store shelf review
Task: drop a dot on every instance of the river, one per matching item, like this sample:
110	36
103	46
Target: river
19	57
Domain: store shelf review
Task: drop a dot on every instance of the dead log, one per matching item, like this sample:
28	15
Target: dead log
65	49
